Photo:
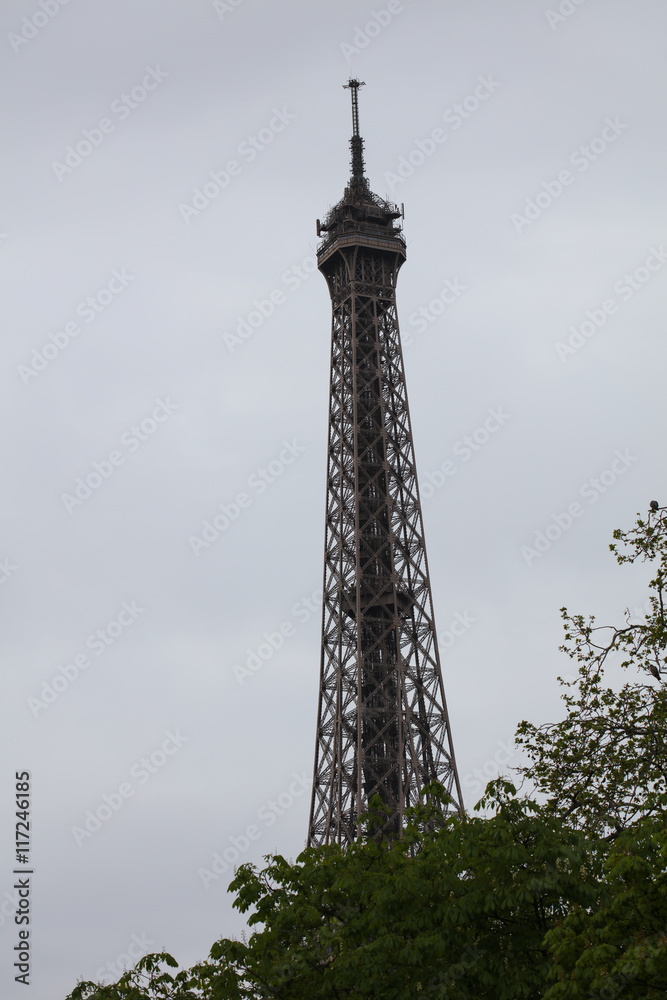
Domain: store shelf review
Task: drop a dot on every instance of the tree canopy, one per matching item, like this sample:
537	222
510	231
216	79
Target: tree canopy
560	894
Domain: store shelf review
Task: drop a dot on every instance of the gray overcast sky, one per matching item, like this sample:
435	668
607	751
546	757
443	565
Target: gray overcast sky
527	142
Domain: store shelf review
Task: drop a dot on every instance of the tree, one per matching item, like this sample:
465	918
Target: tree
147	981
617	950
560	899
603	770
460	912
604	766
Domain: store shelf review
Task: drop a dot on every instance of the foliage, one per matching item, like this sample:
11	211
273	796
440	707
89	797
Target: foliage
618	949
605	765
147	981
459	913
563	899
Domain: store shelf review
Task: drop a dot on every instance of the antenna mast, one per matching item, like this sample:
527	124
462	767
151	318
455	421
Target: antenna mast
356	142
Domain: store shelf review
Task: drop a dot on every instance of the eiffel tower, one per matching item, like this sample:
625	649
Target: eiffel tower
382	725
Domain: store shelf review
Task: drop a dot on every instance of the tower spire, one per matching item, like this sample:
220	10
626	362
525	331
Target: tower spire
356	142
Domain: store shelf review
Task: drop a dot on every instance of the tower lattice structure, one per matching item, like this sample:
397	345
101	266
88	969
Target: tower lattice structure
382	727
